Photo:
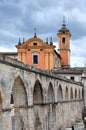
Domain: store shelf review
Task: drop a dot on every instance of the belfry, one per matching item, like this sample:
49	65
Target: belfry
64	45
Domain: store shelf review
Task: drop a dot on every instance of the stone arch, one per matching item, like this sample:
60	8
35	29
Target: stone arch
71	93
51	96
19	102
60	93
19	92
75	93
66	93
37	93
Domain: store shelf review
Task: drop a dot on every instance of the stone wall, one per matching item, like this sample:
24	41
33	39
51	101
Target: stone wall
33	99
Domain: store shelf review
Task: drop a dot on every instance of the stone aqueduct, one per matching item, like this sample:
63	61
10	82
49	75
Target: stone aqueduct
32	99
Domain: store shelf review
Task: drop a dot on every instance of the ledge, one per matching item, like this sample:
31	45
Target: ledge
17	64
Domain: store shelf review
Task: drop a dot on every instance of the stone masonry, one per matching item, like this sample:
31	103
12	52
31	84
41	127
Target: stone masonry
33	99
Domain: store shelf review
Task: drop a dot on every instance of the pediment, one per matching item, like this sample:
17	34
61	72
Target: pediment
34	42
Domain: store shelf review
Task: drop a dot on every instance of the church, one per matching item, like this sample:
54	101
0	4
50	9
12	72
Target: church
39	90
42	54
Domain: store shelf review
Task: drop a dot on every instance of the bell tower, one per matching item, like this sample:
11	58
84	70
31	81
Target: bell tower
64	45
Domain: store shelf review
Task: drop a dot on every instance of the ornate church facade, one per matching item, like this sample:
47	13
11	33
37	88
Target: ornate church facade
43	54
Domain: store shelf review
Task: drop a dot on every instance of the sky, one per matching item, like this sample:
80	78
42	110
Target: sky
18	18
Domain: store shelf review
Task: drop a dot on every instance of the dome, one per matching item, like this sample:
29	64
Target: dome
64	29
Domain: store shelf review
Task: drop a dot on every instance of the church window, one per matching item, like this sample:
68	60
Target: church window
35	58
63	40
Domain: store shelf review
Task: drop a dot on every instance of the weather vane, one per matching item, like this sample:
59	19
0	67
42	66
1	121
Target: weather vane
63	19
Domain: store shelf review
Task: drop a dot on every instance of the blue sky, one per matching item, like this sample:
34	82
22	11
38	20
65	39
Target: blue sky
18	18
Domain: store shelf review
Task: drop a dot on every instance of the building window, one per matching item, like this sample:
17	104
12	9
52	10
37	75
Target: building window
63	40
72	78
11	99
35	58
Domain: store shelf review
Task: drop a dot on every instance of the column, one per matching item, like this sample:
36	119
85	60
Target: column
51	61
46	61
31	118
19	56
84	108
6	120
84	82
23	57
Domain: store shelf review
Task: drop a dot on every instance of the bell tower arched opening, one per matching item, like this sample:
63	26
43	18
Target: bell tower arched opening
64	45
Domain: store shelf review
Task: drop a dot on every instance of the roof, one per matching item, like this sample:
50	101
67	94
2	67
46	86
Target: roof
8	53
57	54
75	70
35	39
64	30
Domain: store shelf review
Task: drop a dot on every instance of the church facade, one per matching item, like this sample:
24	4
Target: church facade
42	54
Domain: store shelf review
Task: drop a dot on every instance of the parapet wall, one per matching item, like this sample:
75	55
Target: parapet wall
17	64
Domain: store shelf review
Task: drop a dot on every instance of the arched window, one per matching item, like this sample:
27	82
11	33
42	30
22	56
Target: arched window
35	58
63	40
82	93
75	93
60	94
51	96
79	94
71	93
66	94
37	93
11	99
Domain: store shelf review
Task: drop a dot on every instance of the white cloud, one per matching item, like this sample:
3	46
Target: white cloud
78	61
18	18
5	49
